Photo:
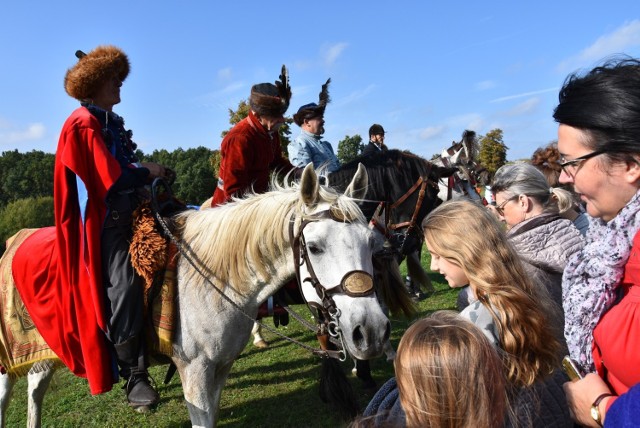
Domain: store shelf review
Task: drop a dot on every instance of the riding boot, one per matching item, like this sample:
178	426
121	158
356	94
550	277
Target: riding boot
132	367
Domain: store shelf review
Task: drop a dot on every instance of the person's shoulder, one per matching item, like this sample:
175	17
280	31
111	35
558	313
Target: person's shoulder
81	118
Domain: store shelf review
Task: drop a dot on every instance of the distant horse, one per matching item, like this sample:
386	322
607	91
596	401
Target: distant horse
246	250
470	174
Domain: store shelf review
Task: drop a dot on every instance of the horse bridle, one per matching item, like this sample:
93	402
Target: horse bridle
355	283
411	226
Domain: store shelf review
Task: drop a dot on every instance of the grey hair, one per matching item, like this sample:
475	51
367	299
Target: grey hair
525	179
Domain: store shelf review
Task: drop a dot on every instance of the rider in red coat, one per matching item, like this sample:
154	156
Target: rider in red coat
76	279
252	149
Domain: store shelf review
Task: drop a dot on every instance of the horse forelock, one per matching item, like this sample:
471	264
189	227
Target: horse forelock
244	238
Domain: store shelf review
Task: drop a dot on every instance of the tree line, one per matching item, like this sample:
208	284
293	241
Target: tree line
26	179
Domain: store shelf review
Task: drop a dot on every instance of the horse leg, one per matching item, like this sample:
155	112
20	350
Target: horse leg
202	383
258	340
417	273
6	388
38	384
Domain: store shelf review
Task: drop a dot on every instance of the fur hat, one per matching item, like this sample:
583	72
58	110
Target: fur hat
311	110
268	99
93	69
376	130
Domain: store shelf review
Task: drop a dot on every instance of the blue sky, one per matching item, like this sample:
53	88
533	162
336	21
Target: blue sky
425	70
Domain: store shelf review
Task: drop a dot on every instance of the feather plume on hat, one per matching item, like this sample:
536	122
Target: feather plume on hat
272	100
84	79
311	110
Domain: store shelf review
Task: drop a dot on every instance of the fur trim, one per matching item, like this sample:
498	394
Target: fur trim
92	69
309	111
268	99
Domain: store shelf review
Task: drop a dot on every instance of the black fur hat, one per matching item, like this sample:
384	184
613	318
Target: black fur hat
268	99
84	79
311	110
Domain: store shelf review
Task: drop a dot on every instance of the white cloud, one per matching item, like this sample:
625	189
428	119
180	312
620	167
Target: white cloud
330	53
523	108
620	40
33	132
356	95
485	85
225	73
523	95
431	132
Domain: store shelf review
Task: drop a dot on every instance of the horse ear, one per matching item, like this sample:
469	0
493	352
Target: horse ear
309	186
357	189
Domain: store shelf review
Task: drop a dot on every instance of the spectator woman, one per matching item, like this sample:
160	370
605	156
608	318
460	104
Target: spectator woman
599	141
531	209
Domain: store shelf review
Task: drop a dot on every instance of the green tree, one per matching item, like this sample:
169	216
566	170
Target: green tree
493	152
243	111
195	178
350	148
25	213
25	175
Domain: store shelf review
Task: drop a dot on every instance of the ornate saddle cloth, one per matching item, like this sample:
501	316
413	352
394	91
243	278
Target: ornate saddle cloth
21	345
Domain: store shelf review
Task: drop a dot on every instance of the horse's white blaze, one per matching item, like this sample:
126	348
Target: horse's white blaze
335	249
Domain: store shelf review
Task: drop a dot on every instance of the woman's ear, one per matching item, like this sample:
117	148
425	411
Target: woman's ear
633	170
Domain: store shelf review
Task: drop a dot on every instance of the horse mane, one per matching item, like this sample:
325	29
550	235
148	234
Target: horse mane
235	240
406	167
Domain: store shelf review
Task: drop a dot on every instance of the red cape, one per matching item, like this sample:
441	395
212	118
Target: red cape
58	270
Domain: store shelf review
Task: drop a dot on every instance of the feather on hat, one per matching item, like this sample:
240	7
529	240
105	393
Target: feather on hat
311	110
272	100
93	69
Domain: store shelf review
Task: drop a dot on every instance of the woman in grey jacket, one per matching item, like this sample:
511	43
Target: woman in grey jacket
531	209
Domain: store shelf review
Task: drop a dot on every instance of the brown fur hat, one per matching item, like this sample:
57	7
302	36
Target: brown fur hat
271	100
93	69
311	110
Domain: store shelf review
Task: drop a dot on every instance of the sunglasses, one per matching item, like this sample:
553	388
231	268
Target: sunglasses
500	208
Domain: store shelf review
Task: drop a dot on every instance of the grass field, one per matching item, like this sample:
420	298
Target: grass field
274	387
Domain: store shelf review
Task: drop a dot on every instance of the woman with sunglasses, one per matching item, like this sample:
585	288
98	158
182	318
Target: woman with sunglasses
532	210
599	141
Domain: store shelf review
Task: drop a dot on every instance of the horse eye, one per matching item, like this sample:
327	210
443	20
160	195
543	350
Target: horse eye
315	249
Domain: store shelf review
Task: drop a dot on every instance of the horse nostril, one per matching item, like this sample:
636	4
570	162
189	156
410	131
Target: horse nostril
387	332
357	336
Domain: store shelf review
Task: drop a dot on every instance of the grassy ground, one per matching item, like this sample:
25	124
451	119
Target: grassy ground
274	387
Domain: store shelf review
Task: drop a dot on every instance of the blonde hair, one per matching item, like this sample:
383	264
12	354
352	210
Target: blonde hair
449	374
470	236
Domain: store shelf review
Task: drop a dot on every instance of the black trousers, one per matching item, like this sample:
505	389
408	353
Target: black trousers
123	286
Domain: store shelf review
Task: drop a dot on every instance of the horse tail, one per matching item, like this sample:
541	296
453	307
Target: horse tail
414	267
336	390
390	286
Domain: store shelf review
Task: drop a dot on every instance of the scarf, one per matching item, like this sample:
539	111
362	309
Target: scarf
592	277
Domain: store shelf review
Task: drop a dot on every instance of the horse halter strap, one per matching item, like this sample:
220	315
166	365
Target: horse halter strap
421	183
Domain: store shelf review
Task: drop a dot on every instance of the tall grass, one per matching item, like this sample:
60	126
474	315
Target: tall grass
274	387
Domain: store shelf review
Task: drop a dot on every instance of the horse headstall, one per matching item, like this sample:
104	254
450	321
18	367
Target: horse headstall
354	283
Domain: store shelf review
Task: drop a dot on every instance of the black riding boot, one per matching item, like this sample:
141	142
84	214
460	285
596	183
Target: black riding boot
132	367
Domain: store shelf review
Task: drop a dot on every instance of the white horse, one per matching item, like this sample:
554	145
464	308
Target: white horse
246	250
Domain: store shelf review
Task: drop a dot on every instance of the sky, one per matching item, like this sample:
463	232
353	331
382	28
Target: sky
425	70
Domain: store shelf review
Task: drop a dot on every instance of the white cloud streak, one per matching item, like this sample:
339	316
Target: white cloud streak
33	132
620	40
330	53
523	95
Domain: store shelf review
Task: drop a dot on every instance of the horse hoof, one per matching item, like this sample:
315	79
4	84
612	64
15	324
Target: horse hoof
142	409
261	344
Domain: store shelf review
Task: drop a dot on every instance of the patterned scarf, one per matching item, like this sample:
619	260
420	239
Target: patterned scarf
592	276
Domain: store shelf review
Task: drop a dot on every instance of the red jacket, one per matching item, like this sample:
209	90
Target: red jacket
58	269
248	154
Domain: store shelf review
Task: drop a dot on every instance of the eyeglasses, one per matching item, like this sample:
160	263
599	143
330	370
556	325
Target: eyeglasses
571	167
500	208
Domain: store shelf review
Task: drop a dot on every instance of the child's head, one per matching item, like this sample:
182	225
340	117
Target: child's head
467	235
449	374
